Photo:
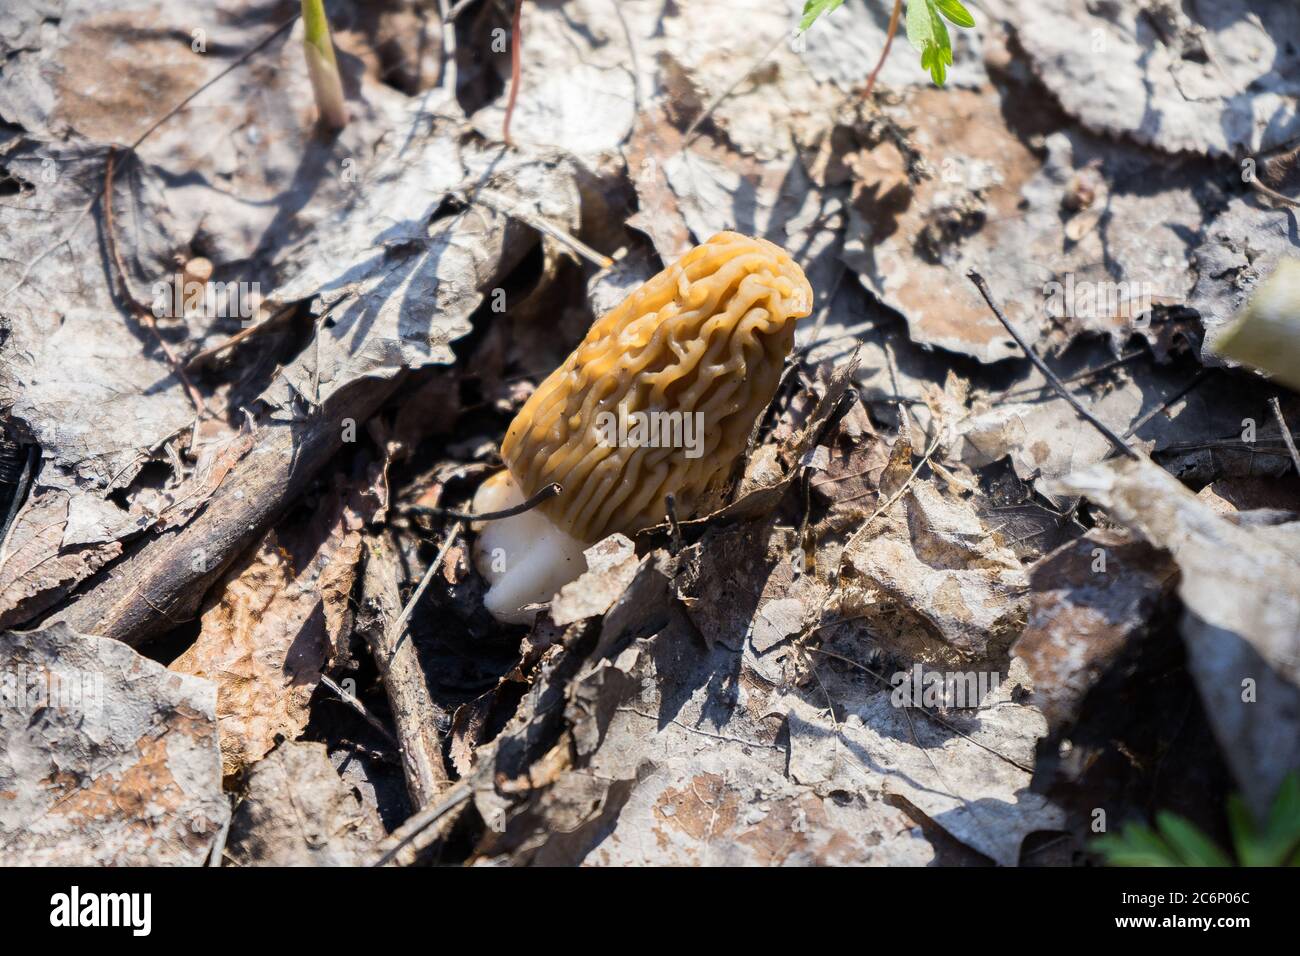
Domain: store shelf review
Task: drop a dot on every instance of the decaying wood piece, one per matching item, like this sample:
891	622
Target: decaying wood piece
161	583
399	667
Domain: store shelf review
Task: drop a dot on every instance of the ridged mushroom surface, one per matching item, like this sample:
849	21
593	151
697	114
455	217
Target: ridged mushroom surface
708	334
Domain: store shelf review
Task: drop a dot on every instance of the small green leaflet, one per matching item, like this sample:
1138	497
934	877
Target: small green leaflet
928	34
1177	842
926	30
814	9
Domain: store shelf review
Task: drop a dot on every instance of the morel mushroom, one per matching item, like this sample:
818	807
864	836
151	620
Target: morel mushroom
658	399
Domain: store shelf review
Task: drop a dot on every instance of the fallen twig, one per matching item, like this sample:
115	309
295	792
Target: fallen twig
1286	432
1197	379
934	444
631	52
516	66
418	823
693	130
550	491
933	716
488	199
1273	193
360	708
1051	376
202	357
238	62
163	579
399	626
217	854
1080	376
414	714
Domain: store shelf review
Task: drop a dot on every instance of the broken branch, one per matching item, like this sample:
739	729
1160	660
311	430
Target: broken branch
1051	376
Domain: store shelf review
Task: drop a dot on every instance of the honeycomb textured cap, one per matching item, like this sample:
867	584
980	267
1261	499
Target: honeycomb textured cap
708	335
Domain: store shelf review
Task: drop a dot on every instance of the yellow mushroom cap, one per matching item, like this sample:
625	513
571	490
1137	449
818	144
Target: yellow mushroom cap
708	334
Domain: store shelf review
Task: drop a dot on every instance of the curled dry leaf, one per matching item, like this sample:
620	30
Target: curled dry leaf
393	280
611	564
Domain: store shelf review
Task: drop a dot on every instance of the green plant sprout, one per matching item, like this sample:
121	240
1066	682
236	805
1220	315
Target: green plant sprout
1175	841
926	30
321	65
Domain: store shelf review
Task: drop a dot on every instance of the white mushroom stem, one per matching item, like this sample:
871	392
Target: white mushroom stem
525	558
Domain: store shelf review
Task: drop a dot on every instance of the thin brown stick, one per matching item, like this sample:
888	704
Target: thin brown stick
516	67
830	710
216	856
889	41
933	716
1083	375
631	52
242	59
202	357
1273	193
1197	379
970	805
360	708
415	716
550	491
693	130
929	452
1119	443
408	833
542	225
1286	432
399	626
